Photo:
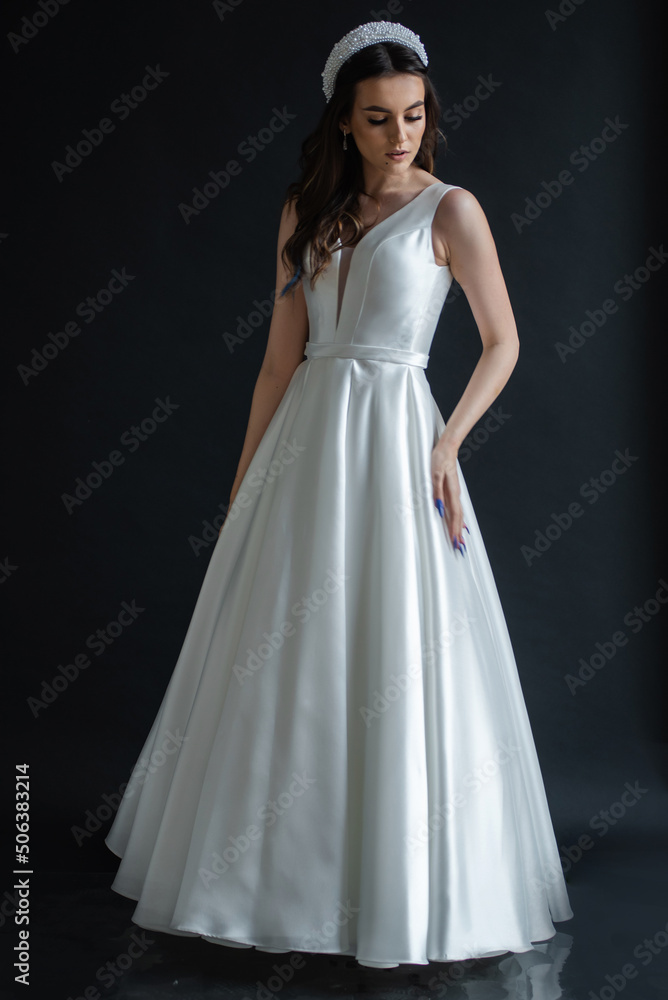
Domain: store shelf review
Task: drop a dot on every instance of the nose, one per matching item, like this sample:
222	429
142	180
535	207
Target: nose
400	133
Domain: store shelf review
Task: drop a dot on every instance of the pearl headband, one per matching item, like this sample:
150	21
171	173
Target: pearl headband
359	38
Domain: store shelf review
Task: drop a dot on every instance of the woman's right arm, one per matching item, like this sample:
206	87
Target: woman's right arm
288	333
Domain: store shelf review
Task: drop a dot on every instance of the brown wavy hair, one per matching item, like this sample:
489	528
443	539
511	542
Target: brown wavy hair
332	178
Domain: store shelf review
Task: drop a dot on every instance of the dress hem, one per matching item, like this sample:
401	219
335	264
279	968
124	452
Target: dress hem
259	946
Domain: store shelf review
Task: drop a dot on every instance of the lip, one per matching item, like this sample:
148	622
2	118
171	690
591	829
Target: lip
398	155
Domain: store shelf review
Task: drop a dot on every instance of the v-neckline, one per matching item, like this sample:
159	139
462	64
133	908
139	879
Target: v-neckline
358	244
390	216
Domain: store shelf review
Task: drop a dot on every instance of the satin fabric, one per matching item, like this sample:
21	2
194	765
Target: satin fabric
342	761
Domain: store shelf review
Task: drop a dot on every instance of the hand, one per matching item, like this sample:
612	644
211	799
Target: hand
445	482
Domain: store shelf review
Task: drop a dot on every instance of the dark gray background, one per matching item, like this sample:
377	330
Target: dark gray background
163	336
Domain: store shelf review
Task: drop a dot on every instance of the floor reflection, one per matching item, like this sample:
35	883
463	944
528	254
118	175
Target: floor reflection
85	945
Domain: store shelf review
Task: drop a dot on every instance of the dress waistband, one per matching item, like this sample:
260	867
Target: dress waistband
365	352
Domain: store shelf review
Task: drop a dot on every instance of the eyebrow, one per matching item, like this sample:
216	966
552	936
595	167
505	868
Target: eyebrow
375	107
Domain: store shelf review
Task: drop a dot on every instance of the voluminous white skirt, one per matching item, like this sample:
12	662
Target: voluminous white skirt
342	761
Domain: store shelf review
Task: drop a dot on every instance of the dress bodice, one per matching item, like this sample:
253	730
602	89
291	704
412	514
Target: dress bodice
388	306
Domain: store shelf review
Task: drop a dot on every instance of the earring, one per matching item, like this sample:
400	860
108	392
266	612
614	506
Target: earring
345	140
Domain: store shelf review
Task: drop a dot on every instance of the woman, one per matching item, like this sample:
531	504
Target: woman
351	768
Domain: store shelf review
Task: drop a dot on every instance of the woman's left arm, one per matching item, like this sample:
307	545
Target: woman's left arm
462	237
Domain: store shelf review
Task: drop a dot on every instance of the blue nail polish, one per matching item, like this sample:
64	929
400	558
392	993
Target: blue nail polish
440	507
467	528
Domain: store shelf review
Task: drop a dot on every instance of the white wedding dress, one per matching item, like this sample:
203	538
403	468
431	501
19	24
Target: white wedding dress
342	761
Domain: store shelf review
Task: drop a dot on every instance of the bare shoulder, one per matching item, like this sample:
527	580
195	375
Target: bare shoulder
459	206
459	222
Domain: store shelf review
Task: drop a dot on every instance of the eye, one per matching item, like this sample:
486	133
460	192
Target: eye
381	121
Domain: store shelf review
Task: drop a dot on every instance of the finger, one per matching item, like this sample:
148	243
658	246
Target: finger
451	528
452	519
443	504
458	527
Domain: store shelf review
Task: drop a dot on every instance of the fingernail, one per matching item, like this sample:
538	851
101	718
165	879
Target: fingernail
467	528
440	507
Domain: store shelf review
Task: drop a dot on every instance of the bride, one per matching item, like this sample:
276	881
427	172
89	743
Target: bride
357	773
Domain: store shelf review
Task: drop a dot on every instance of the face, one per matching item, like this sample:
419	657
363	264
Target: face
388	114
